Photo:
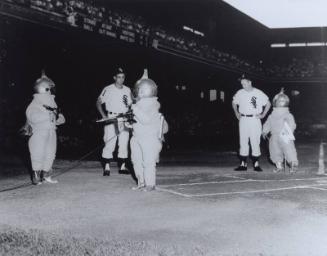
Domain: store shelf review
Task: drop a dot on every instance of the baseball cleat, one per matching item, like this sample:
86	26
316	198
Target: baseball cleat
123	169
106	173
257	168
241	168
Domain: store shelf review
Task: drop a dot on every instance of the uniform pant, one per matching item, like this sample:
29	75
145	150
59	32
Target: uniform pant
145	154
43	146
111	133
279	149
250	128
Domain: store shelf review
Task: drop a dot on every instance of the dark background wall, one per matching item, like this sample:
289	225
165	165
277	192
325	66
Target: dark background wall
81	64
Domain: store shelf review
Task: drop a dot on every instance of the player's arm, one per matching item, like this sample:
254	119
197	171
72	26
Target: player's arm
265	110
130	98
100	108
235	108
266	128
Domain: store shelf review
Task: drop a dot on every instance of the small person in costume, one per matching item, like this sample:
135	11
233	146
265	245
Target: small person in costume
43	117
281	125
148	130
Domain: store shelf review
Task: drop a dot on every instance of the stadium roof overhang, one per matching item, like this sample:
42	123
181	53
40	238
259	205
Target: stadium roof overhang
284	13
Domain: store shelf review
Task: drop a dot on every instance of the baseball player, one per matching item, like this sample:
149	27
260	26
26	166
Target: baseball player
42	116
250	106
116	99
281	125
148	131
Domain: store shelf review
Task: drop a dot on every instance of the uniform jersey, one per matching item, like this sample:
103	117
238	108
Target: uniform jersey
250	102
114	98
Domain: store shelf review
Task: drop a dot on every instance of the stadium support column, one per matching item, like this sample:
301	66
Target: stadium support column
321	161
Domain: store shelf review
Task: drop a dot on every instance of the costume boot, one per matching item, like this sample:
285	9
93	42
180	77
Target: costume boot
243	164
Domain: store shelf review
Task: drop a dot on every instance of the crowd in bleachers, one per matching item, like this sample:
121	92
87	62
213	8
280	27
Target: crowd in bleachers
76	12
298	68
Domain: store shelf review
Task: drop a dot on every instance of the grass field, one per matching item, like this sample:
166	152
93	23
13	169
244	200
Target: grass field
201	207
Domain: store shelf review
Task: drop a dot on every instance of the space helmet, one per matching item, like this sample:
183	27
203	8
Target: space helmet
281	100
44	84
145	87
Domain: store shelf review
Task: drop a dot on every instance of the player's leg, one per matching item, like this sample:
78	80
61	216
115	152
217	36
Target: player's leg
244	144
110	138
123	139
255	138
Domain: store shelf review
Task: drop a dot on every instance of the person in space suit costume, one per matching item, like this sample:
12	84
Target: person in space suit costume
148	130
281	125
42	116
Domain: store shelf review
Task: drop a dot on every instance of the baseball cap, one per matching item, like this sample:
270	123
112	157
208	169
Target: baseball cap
244	76
119	71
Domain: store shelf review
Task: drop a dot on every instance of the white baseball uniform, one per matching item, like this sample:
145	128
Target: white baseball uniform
250	104
113	98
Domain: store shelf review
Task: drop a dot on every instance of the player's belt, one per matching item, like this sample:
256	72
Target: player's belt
114	113
247	115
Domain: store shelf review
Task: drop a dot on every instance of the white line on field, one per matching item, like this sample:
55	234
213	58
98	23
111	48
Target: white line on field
237	181
172	192
250	191
245	192
324	189
235	177
315	187
235	192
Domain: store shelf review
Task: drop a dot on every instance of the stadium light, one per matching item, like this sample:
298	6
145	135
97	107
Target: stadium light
297	44
187	28
196	32
316	44
277	45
